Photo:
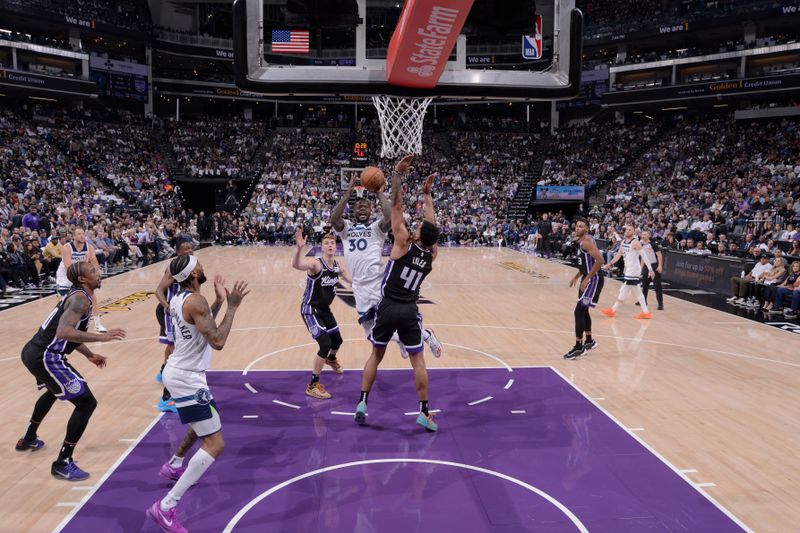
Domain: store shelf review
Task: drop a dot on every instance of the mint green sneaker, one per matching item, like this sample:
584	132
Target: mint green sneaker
427	422
361	413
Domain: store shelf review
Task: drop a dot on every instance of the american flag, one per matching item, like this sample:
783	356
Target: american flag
291	41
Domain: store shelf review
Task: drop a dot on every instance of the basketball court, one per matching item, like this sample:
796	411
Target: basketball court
685	421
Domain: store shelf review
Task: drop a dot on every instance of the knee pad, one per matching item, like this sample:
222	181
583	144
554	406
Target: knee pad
324	342
336	340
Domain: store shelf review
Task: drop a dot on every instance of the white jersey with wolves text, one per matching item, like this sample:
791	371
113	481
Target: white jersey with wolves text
363	248
632	258
192	350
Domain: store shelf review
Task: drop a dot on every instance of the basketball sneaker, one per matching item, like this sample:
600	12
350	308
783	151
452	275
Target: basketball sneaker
167	520
167	405
403	351
33	445
575	351
316	390
335	365
170	472
68	471
609	312
590	345
361	413
427	422
98	326
644	316
435	345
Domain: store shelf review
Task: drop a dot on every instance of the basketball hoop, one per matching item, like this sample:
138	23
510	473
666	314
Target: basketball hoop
360	191
401	124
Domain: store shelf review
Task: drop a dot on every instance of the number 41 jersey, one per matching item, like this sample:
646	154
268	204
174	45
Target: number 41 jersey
404	276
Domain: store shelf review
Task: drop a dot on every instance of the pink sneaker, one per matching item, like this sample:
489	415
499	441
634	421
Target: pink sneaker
169	472
167	520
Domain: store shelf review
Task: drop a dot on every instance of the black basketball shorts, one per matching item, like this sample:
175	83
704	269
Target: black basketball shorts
402	317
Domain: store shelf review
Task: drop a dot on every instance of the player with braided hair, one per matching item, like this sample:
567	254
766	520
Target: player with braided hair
45	356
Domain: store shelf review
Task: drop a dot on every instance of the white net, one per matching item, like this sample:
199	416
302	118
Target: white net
401	124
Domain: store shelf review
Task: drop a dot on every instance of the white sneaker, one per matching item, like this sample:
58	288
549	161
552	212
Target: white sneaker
98	326
12	289
435	345
731	299
403	351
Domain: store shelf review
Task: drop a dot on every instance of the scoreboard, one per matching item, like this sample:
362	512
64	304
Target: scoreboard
360	153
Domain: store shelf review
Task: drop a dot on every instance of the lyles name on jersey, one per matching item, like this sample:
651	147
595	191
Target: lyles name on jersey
420	262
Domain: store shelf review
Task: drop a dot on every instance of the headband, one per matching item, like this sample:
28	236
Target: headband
181	276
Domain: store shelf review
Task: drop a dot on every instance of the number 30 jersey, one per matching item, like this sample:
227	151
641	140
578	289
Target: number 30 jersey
363	248
404	276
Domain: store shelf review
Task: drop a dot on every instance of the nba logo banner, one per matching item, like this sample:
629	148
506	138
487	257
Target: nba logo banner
532	44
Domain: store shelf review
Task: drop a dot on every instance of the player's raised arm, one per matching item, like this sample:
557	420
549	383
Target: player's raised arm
386	209
197	312
312	267
337	222
399	228
427	209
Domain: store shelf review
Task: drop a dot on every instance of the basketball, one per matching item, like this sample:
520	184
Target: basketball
372	179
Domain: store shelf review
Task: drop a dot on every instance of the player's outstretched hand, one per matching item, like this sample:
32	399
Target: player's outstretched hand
404	164
298	237
111	335
353	178
219	288
427	185
97	360
238	293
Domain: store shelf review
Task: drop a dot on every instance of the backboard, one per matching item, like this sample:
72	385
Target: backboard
358	68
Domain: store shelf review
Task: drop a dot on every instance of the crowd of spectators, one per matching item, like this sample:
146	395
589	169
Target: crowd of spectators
583	154
213	147
703	184
127	14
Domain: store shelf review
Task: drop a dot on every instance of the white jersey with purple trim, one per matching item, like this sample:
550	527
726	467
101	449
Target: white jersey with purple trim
363	249
632	258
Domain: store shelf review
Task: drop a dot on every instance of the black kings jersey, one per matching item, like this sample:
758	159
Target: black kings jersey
403	277
585	260
321	289
45	338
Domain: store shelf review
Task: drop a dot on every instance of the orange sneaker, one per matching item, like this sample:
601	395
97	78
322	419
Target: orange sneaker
609	312
316	390
644	315
335	366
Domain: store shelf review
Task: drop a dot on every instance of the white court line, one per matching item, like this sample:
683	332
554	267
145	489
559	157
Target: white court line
636	429
658	455
519	412
10	358
476	402
662	343
599	399
706	484
344	414
249	416
108	473
411	413
255	501
67	504
89	487
688	470
508	385
285	404
127	440
250	388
